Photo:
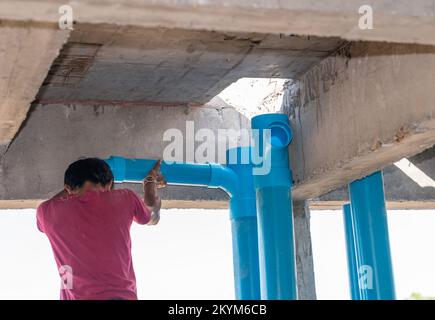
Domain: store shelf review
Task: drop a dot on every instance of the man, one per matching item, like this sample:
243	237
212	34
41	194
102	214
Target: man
88	226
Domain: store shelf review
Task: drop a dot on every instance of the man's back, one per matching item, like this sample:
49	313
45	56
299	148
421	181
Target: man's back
90	238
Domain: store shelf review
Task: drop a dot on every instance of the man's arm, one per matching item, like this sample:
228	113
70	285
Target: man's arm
152	201
151	197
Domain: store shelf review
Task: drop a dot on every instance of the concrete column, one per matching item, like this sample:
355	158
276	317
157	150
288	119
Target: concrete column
304	252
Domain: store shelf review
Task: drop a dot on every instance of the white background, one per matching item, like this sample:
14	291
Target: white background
188	255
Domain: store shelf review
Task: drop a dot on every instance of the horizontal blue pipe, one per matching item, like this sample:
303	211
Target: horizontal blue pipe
195	174
352	265
369	219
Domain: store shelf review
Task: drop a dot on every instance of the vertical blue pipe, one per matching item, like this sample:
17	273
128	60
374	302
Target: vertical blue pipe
276	244
274	208
369	219
243	215
352	265
245	258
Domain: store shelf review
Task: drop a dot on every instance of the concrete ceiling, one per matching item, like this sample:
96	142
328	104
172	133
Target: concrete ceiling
119	64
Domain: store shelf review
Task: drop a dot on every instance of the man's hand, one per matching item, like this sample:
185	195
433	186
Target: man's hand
154	180
156	175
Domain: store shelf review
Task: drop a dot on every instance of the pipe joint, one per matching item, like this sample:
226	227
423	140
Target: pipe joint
224	178
275	157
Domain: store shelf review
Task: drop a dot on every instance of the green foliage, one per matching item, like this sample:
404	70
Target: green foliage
419	296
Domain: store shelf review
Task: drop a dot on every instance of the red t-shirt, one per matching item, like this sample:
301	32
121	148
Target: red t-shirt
90	238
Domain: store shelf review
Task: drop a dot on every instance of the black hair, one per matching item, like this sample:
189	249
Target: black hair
89	169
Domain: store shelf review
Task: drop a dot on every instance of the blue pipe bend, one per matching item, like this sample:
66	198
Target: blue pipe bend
224	178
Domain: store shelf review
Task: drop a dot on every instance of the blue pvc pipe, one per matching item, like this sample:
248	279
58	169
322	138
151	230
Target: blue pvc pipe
274	209
276	243
245	258
352	265
236	179
369	218
243	215
196	174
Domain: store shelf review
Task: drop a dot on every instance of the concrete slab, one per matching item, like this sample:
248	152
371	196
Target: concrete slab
175	66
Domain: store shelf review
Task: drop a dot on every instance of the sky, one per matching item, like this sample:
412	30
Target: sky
188	255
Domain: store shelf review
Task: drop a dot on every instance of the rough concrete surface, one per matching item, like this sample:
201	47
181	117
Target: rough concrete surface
304	251
132	65
26	53
360	110
398	186
56	135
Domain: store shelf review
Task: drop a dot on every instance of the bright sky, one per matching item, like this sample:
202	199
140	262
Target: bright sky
188	255
250	95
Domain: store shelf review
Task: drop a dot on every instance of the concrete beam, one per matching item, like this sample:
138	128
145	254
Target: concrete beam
358	111
223	204
56	135
166	204
26	53
401	190
391	205
394	21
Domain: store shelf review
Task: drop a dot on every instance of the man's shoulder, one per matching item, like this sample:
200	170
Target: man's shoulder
126	195
43	206
41	213
51	203
124	191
